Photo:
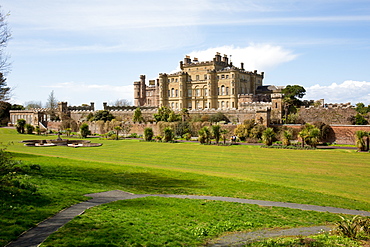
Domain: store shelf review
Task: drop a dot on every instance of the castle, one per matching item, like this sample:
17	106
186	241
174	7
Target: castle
216	84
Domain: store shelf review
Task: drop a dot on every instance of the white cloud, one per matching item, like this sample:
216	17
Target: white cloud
348	91
255	56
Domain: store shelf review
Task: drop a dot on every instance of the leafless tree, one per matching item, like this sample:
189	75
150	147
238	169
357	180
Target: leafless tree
5	35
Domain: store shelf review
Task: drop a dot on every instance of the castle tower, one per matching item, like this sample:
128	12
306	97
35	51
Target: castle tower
140	91
163	90
277	107
137	93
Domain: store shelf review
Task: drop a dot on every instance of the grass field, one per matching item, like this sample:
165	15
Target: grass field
321	177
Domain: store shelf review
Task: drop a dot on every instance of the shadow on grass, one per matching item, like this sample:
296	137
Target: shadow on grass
86	177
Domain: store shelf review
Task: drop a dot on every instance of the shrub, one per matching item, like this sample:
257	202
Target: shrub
148	134
84	130
286	136
187	136
216	132
355	228
13	178
29	128
20	125
168	134
268	136
204	135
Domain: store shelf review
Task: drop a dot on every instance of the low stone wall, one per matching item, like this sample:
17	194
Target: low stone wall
340	134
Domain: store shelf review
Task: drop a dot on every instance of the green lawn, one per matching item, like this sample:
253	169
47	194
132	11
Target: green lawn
322	177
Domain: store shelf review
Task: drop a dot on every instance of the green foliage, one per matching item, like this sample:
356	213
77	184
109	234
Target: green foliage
29	128
84	130
362	109
242	131
216	132
291	99
168	134
13	179
187	136
21	123
117	130
286	136
102	115
38	130
293	92
359	119
218	117
360	141
268	136
355	228
204	135
310	135
155	221
148	134
165	114
322	240
224	133
138	117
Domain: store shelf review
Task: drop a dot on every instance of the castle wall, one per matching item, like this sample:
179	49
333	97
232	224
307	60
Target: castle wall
329	115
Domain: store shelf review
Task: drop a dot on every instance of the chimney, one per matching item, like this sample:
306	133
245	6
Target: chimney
225	59
242	66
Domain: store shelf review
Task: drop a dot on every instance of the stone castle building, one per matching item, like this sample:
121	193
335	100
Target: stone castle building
216	84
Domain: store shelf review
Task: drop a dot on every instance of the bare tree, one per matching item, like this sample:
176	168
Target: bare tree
122	102
32	104
5	35
52	102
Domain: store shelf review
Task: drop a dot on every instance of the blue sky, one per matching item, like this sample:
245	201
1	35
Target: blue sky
93	51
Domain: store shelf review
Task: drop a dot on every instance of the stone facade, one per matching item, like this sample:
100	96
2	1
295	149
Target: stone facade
214	84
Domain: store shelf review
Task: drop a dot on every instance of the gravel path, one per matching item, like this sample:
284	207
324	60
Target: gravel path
35	236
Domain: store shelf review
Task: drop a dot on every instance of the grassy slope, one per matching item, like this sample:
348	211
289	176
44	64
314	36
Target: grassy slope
335	178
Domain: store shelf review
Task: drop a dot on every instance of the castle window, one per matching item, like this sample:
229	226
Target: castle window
197	77
222	104
205	77
232	91
172	80
227	76
233	104
197	92
177	93
172	105
222	90
227	91
176	80
177	106
222	76
169	80
276	105
232	75
205	92
172	92
227	104
189	92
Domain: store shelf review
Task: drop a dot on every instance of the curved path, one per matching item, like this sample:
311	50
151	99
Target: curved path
38	234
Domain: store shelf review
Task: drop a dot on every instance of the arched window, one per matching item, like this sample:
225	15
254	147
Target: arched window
222	104
172	92
227	91
222	90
